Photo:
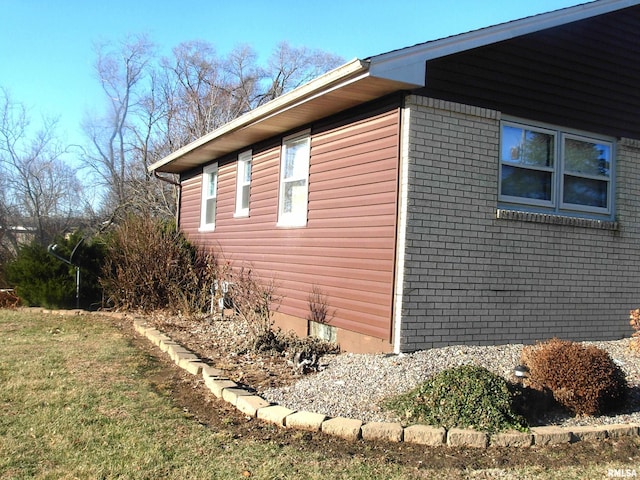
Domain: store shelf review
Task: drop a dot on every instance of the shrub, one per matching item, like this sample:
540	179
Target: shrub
41	279
583	379
634	321
8	299
254	300
466	396
151	266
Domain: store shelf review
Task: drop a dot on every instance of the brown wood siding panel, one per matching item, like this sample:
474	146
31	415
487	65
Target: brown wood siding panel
348	246
582	75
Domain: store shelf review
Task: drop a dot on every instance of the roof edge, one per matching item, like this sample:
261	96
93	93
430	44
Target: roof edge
325	82
409	64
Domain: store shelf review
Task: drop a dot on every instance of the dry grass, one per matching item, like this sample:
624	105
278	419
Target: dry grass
79	398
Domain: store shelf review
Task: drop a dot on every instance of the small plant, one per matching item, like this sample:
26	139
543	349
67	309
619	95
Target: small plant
634	321
583	379
466	396
255	301
318	306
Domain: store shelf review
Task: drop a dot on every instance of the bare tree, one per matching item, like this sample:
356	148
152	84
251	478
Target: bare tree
39	190
290	67
156	107
121	72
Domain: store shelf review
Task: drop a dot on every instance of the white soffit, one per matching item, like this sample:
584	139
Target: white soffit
360	81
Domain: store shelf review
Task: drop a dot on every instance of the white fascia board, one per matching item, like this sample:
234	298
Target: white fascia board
323	83
409	64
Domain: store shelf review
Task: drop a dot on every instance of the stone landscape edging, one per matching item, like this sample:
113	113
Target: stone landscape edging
252	405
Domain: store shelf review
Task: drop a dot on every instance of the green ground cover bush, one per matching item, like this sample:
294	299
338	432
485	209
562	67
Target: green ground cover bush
466	396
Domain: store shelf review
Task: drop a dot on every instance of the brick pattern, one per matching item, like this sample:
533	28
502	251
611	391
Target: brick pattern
474	278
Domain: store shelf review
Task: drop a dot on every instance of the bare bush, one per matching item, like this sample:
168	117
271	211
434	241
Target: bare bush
151	266
255	301
583	379
319	306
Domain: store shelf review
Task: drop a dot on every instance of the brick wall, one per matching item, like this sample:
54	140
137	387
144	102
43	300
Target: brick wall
476	275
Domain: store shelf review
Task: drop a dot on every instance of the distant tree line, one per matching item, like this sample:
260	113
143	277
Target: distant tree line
152	105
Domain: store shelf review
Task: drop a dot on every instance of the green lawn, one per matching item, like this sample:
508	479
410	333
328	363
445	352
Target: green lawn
78	400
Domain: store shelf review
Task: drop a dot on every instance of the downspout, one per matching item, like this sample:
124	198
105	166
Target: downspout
179	196
401	233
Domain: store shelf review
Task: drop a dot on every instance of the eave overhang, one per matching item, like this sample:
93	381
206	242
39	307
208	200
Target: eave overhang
409	63
338	90
361	81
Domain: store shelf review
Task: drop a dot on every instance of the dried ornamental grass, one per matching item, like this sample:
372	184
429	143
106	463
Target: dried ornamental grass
583	379
634	321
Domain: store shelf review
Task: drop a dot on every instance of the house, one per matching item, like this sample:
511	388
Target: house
478	189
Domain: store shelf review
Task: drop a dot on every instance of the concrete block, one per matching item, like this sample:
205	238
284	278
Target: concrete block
250	404
624	430
467	437
274	414
139	326
175	350
182	356
217	386
389	432
550	435
165	345
511	438
305	421
194	367
346	428
425	435
212	372
231	394
597	432
153	335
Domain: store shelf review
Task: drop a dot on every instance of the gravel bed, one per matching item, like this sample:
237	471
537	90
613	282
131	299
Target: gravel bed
354	385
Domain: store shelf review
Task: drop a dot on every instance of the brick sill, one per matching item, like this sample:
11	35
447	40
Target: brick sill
503	214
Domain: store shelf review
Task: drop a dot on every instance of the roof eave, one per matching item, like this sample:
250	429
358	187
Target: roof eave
346	74
410	63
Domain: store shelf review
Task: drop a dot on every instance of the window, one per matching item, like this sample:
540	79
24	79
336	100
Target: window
243	184
554	170
294	180
209	193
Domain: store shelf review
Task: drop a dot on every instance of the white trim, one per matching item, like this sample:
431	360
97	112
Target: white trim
293	219
331	80
557	205
401	229
206	172
380	74
243	159
409	64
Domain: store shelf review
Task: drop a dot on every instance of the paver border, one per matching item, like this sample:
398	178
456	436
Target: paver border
255	406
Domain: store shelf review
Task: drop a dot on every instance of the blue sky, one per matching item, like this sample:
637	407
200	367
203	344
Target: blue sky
46	46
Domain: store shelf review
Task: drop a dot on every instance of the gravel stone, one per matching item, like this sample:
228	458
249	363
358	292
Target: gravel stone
355	385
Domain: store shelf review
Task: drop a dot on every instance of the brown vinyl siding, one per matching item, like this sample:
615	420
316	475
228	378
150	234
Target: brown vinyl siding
581	75
190	203
348	245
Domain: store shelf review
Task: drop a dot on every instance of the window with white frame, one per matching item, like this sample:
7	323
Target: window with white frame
294	180
243	184
555	170
209	194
